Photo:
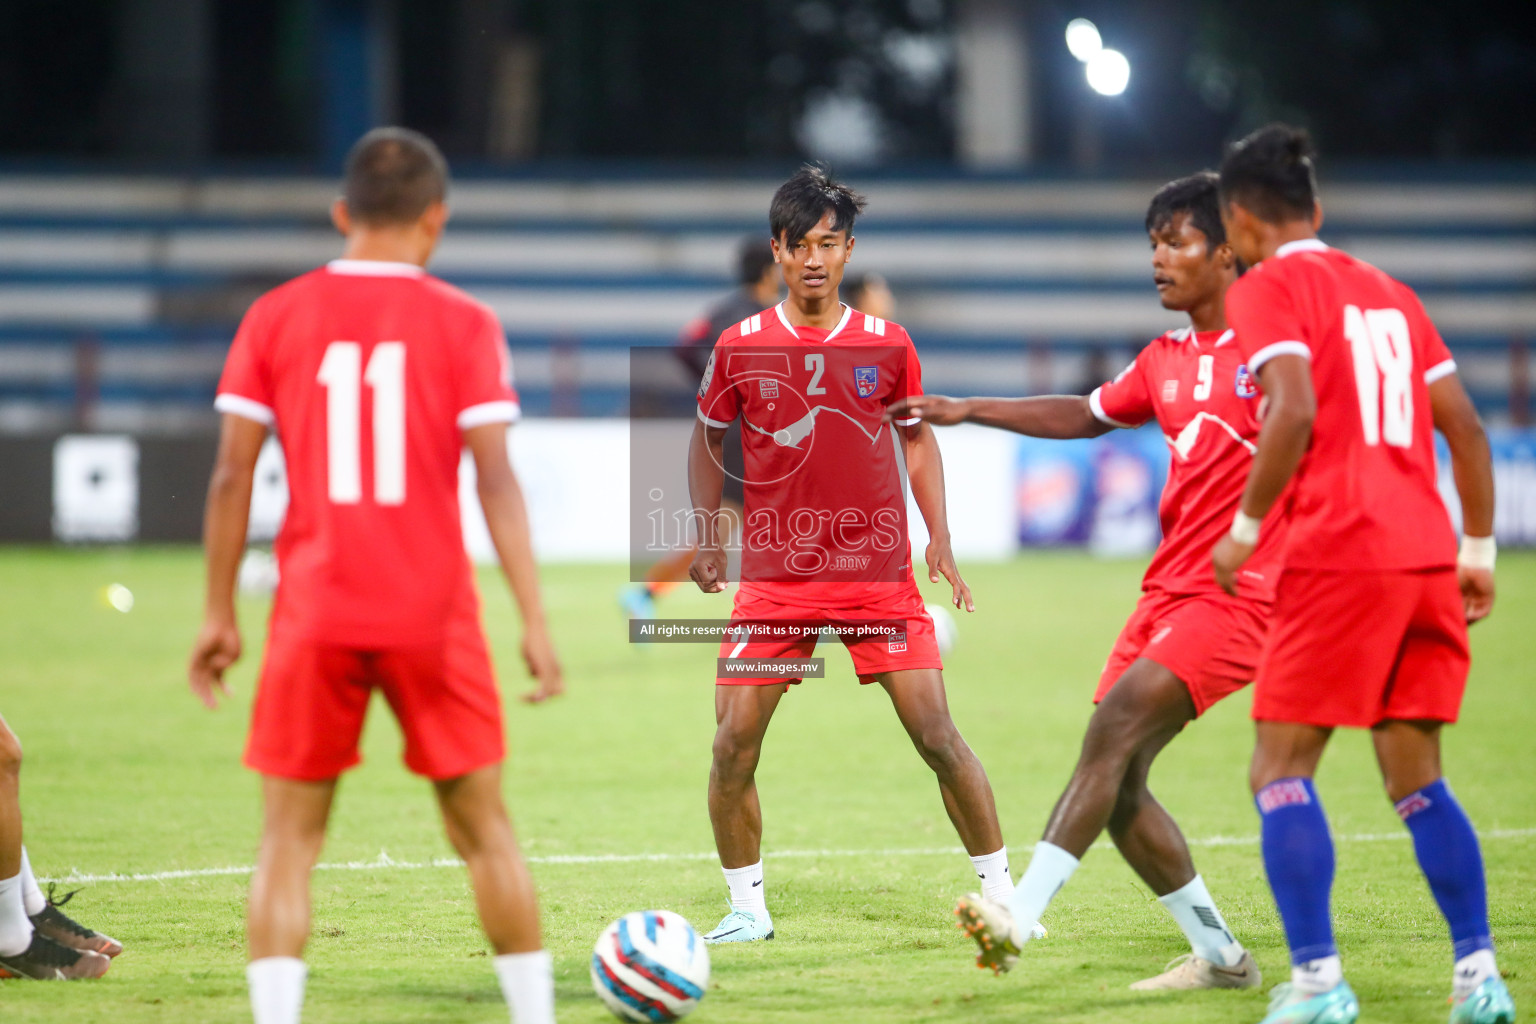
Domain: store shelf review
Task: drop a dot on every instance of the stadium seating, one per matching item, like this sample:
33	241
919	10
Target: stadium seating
118	296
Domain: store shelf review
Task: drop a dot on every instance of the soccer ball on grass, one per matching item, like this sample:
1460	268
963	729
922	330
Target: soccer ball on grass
650	966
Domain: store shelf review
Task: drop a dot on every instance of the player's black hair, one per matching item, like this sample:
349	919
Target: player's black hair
1271	174
753	258
1197	196
804	199
392	176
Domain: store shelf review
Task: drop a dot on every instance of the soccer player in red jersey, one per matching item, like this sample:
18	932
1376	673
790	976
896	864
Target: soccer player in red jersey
825	537
1188	644
1370	621
375	376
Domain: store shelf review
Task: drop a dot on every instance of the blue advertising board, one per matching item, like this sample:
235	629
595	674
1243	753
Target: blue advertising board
1103	493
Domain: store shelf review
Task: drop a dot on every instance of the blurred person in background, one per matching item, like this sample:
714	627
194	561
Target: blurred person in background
868	293
757	287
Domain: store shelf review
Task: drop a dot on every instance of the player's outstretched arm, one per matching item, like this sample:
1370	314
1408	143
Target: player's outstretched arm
224	522
925	474
1472	466
1058	417
1291	408
706	479
506	514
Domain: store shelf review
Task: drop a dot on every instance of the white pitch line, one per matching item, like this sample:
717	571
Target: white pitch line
384	862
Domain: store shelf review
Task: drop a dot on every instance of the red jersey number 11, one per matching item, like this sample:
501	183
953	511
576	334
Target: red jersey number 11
342	376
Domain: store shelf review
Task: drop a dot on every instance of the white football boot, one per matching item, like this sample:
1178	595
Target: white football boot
742	926
992	926
1191	972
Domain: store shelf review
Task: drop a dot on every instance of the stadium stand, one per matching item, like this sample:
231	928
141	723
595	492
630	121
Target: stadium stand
118	296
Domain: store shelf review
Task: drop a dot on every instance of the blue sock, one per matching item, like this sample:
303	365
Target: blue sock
1451	862
1298	857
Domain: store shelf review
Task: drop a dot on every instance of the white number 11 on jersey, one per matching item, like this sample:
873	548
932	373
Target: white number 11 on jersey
342	377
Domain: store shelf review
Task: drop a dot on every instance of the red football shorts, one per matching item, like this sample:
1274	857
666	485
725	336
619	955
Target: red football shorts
1212	642
1358	648
914	647
313	697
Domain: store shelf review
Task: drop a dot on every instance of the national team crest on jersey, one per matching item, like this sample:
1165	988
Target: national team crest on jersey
866	379
1246	386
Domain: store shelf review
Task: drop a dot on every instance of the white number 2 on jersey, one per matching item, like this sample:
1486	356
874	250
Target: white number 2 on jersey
342	377
816	362
1383	355
1205	372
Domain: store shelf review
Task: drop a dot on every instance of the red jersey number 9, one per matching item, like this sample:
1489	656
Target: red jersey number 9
342	376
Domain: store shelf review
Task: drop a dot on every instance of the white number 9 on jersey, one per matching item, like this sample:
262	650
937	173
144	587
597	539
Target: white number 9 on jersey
1383	353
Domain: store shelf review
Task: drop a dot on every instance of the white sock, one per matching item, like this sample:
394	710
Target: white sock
1209	937
277	988
528	984
15	929
1471	971
1048	871
1317	976
992	869
746	885
31	896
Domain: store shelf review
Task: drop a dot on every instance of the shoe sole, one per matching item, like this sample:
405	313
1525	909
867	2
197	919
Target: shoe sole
991	955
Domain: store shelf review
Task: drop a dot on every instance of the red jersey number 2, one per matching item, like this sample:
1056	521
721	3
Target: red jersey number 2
1383	353
343	377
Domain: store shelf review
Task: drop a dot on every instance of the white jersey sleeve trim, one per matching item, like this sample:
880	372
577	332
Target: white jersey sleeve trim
1439	370
1279	348
246	407
1099	414
910	421
712	423
489	412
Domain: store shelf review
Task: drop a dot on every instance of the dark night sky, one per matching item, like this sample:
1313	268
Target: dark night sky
699	79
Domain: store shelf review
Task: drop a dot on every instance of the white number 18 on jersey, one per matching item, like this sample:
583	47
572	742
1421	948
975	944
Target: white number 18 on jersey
1383	353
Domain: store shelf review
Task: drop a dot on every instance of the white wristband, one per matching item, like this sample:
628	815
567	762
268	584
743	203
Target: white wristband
1245	529
1477	553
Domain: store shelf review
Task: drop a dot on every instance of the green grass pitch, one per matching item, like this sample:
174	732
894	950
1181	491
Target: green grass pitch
125	773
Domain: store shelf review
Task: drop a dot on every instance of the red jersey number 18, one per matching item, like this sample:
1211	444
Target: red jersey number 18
342	376
1383	355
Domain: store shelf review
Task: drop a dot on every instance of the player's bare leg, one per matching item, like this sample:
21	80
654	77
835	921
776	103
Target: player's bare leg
1151	842
1147	707
1142	712
742	714
1146	834
10	802
475	818
919	699
277	918
923	708
476	821
24	952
